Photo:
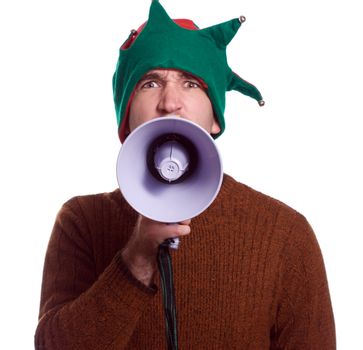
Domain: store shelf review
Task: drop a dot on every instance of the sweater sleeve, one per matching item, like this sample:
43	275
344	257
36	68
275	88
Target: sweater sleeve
304	312
80	310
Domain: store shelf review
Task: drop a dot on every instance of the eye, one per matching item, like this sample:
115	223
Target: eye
192	84
149	85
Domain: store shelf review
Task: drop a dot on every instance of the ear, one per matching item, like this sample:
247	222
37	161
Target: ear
215	129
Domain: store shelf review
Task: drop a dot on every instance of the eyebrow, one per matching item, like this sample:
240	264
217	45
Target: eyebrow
150	76
186	75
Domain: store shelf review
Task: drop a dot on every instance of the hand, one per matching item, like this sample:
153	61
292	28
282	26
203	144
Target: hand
140	252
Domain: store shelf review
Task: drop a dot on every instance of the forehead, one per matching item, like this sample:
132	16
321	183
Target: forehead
168	73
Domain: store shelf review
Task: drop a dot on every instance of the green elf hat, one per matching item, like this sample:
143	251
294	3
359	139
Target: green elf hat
164	43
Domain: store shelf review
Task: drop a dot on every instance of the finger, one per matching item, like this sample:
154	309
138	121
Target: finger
159	231
176	230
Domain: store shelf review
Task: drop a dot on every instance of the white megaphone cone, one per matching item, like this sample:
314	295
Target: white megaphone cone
169	169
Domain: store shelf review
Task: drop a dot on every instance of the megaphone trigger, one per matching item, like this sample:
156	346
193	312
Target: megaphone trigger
172	243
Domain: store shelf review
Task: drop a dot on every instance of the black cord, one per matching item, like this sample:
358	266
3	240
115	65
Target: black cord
167	285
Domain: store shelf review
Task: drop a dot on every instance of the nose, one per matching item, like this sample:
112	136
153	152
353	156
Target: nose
170	100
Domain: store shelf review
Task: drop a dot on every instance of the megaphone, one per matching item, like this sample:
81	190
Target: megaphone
169	169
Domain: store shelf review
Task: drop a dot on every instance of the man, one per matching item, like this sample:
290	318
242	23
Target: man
249	273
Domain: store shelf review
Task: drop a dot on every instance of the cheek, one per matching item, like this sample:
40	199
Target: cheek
203	103
206	115
140	111
205	110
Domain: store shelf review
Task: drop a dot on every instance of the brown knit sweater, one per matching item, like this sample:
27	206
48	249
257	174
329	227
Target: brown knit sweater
249	276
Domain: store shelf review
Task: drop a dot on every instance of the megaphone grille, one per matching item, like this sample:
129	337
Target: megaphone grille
158	200
175	138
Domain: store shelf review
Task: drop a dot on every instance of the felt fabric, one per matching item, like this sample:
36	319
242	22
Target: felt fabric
163	43
249	276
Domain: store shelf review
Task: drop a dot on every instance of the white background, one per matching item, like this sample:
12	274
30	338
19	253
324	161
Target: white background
58	128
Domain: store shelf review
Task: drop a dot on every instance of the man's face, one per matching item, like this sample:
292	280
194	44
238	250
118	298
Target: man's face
166	91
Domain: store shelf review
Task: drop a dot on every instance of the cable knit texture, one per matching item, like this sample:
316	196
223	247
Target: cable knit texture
249	276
